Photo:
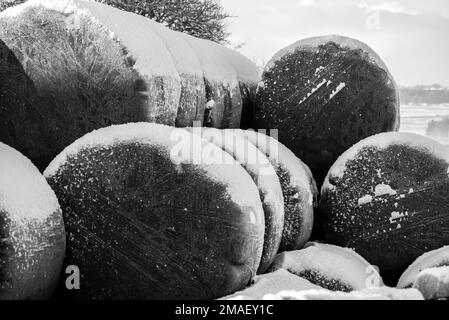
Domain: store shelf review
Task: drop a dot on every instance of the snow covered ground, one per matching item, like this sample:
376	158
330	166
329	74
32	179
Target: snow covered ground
415	118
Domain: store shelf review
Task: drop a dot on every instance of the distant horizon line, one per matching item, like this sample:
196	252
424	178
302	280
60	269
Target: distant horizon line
435	85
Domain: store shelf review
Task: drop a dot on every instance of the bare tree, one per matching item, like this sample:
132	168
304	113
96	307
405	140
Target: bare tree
9	3
200	18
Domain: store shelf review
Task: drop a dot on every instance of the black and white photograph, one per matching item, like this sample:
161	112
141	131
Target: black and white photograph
230	153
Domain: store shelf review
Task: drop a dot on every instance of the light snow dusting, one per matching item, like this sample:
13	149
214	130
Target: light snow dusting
384	140
210	104
313	91
319	69
340	87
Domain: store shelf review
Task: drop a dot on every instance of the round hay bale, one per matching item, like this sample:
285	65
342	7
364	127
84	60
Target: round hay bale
387	197
21	108
148	217
31	230
325	94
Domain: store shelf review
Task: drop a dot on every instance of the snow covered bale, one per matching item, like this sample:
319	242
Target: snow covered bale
330	267
429	274
433	283
247	73
148	217
266	180
388	198
108	66
31	230
272	284
192	99
325	94
298	188
383	293
21	108
225	76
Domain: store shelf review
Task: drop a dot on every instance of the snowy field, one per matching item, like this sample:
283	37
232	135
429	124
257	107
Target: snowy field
415	118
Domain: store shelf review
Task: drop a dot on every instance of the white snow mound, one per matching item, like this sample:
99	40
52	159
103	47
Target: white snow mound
272	283
433	283
332	262
383	293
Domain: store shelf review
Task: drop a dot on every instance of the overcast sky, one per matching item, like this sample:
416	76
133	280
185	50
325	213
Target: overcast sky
412	36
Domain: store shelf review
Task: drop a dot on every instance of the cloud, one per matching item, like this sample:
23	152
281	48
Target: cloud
391	7
410	38
306	3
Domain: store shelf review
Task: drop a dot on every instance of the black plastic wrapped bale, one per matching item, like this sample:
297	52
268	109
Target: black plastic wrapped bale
298	188
325	94
388	198
148	217
330	267
107	66
260	169
32	236
21	109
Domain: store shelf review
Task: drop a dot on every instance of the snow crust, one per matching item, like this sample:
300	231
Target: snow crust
333	262
428	260
137	34
24	192
184	148
185	58
215	67
314	42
